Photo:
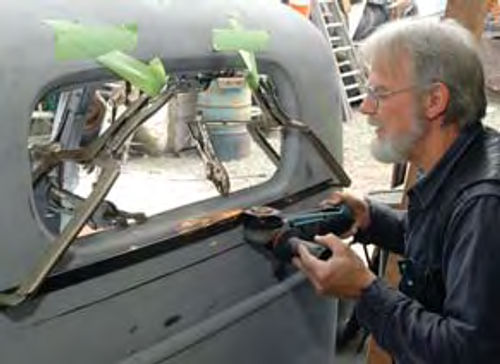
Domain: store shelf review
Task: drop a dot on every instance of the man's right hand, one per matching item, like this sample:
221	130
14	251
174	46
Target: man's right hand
358	206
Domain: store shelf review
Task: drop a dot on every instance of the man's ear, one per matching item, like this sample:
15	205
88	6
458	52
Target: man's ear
436	101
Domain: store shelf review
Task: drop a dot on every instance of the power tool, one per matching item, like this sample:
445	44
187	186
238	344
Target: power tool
283	233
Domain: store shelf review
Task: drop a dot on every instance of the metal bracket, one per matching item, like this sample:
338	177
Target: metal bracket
110	171
103	153
258	137
265	97
214	169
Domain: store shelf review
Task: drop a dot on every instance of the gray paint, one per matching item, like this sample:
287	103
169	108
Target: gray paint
298	59
110	317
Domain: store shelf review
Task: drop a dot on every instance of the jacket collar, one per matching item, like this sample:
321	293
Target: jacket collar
427	187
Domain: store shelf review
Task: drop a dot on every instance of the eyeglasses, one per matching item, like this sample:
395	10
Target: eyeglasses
375	96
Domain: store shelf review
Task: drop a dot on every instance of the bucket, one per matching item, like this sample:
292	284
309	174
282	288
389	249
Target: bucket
226	108
230	141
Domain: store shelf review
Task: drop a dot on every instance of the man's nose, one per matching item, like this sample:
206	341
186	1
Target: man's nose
367	106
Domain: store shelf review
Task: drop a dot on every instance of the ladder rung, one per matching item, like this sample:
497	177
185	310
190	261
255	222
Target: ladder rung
344	63
350	73
335	39
341	49
356	98
352	86
338	24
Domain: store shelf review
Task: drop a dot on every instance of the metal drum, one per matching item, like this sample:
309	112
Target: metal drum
226	108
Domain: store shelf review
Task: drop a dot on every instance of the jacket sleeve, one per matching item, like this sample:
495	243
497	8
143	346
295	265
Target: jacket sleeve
468	331
386	229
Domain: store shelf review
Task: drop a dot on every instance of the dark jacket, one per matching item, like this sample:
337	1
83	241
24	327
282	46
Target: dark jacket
447	309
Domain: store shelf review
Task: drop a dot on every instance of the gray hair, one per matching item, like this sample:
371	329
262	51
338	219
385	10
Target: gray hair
439	51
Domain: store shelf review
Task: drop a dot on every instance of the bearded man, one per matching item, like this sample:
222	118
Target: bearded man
426	100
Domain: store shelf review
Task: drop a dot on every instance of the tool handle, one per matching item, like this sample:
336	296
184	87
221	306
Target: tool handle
287	244
339	222
319	251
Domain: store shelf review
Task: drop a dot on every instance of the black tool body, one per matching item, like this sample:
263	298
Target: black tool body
284	232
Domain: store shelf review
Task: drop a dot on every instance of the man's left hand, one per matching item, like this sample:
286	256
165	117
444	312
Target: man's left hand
343	275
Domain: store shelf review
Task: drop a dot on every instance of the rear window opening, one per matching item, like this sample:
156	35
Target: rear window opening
200	144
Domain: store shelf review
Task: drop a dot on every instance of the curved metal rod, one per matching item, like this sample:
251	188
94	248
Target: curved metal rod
268	102
109	174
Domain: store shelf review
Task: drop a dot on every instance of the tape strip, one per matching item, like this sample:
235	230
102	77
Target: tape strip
245	42
77	41
251	64
236	40
149	78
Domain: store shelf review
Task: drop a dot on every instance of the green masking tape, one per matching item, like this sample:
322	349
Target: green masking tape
237	39
251	64
245	42
77	41
149	78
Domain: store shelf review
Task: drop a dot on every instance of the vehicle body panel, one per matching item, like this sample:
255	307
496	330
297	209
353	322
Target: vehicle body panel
147	293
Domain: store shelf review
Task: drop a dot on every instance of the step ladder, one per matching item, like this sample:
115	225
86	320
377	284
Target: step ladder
328	17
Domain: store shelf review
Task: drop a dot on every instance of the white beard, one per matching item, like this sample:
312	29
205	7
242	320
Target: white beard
396	149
